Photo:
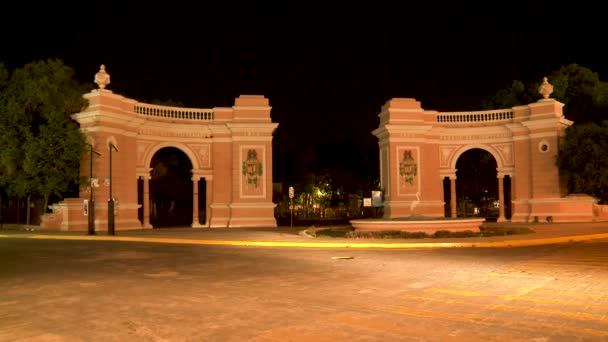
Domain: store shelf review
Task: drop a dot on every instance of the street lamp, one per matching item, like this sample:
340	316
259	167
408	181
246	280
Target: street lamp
291	194
111	200
91	209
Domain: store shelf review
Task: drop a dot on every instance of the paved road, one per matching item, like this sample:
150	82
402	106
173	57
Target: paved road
66	290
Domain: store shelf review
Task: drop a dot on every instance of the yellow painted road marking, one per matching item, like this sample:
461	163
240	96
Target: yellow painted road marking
597	296
483	319
577	315
518	276
515	298
584	316
458	316
463	293
549	301
433	299
489	244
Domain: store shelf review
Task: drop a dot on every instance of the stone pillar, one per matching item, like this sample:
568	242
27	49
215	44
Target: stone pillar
195	212
250	200
223	172
501	198
512	189
146	204
209	200
453	212
405	157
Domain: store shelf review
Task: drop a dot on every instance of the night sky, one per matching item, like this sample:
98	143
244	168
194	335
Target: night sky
326	78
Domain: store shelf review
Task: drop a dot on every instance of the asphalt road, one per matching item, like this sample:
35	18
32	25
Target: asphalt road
56	290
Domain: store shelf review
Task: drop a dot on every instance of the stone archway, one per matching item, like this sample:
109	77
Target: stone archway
419	150
218	142
197	181
171	189
477	186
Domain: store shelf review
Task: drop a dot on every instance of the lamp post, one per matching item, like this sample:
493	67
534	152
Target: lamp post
91	209
111	200
291	194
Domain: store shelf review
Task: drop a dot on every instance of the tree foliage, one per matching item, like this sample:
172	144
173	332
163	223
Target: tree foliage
3	78
512	96
581	91
584	96
583	160
582	157
314	190
169	102
40	145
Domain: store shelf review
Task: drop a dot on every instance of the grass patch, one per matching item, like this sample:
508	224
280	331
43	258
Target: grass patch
350	232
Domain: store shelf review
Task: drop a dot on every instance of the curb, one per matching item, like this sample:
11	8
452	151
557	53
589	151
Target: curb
395	245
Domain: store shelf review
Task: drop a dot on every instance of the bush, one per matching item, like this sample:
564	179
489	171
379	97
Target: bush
442	234
329	231
387	234
350	232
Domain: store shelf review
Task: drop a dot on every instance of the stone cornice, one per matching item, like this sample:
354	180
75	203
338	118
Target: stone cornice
548	123
262	108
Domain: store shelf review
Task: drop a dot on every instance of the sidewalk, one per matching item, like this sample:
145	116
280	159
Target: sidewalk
545	233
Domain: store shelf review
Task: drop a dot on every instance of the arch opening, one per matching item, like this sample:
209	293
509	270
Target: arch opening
477	185
171	189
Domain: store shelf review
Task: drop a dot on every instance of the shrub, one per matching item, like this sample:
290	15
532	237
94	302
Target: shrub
350	232
330	231
442	234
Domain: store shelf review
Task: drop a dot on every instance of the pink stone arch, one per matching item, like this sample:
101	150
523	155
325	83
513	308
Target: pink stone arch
184	148
529	183
210	138
460	151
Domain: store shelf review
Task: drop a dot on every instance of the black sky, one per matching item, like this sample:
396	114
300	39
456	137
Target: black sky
326	78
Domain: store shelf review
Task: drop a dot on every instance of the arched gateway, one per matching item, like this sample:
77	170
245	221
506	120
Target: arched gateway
229	150
419	150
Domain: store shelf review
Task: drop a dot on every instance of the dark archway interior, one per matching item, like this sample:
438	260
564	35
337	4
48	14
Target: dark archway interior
476	184
171	189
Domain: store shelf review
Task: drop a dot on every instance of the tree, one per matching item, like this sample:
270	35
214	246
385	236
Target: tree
13	135
583	161
3	84
314	190
581	91
3	78
169	102
52	158
512	96
584	96
40	145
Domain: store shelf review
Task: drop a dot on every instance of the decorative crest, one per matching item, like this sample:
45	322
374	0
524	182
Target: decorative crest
545	88
102	78
252	168
408	168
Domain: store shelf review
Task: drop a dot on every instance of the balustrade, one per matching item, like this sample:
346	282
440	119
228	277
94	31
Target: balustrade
472	117
174	113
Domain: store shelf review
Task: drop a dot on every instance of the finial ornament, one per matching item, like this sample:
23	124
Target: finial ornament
545	88
102	78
